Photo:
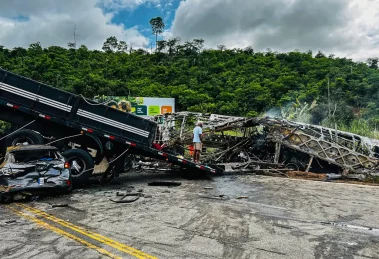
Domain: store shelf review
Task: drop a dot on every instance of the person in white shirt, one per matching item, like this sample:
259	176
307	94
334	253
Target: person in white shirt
197	141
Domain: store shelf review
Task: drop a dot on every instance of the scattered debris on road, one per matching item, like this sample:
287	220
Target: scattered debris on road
217	197
59	205
168	184
10	221
124	195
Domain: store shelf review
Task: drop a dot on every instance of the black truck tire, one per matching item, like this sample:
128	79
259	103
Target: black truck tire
21	136
82	165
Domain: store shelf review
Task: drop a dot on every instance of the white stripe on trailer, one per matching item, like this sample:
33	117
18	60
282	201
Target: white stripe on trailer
35	97
120	126
67	108
115	123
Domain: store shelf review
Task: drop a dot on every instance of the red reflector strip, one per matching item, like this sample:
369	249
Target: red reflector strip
13	106
47	117
88	130
131	143
110	137
201	167
68	182
183	161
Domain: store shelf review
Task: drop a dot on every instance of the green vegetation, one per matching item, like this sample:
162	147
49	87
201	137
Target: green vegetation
316	89
4	126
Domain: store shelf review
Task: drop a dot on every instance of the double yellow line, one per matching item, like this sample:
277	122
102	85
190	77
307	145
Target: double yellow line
90	234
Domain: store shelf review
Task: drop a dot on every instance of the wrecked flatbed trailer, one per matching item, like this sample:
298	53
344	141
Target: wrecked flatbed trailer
48	114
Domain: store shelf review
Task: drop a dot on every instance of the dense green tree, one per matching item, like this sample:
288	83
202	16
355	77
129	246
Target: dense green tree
111	44
239	82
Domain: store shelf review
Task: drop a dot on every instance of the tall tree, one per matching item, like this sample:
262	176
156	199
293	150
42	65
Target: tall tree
161	45
157	26
122	46
373	63
111	44
171	43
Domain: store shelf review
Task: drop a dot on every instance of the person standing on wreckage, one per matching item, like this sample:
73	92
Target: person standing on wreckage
197	141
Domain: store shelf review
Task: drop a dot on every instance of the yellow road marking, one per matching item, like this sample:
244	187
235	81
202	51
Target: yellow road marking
63	233
105	240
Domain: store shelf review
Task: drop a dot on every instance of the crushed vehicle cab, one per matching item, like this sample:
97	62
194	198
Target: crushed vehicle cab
33	170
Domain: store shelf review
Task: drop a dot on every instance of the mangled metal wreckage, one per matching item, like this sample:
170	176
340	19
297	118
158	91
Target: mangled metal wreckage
271	145
32	170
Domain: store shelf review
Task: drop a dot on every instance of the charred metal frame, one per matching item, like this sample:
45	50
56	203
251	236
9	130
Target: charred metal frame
231	139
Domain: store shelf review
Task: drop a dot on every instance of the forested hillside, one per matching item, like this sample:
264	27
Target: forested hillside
242	82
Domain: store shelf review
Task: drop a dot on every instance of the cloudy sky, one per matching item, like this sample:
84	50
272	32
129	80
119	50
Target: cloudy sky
343	27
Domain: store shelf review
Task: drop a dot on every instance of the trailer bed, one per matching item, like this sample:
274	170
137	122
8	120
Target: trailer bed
23	101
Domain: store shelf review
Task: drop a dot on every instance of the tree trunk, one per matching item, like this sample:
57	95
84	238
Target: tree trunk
156	41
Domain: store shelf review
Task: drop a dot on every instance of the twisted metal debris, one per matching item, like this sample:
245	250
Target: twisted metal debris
256	144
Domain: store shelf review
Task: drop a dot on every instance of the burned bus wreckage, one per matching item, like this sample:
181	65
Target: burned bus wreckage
271	145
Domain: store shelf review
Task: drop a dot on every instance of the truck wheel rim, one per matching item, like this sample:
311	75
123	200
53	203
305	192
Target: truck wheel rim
23	141
78	166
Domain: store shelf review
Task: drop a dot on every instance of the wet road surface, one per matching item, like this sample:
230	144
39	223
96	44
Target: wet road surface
274	218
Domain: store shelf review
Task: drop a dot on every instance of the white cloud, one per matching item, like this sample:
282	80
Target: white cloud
52	23
116	5
342	27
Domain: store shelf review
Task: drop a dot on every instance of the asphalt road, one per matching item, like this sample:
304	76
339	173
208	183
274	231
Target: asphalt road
280	218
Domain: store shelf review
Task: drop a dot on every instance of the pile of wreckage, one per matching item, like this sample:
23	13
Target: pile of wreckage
270	145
